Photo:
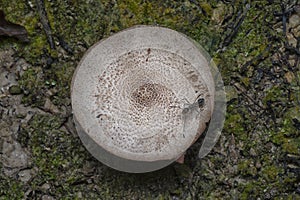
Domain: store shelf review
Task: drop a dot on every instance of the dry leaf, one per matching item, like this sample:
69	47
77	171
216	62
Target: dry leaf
12	30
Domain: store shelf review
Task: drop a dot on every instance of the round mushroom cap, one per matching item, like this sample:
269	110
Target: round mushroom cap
135	98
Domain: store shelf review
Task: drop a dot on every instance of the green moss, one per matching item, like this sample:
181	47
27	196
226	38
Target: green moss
14	10
270	173
289	126
233	124
206	8
251	39
10	189
55	153
59	77
274	94
32	85
15	89
292	196
250	190
288	135
290	180
291	146
38	45
31	23
247	168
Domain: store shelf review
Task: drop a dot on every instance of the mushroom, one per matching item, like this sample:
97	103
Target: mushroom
141	97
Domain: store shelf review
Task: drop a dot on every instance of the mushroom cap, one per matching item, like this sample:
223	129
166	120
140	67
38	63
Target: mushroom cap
130	94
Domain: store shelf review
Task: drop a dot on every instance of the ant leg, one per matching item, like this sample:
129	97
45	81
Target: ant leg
185	99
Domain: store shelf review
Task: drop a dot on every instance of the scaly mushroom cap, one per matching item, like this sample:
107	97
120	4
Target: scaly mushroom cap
130	90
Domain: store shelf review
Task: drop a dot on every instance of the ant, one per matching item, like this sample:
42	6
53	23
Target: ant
188	110
189	107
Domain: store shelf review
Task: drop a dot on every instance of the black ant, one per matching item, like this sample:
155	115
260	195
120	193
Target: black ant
189	107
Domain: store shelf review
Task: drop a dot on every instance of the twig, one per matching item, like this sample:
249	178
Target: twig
45	22
64	45
243	92
13	30
235	29
285	13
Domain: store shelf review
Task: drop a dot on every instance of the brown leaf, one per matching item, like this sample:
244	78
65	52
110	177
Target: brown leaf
12	30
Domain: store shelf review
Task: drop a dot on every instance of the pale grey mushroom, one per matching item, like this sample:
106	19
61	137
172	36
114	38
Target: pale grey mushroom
133	98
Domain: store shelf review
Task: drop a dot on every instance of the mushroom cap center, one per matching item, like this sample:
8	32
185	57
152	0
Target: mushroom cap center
149	94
